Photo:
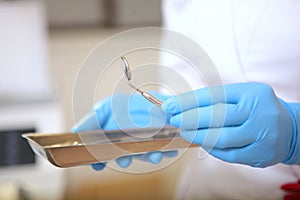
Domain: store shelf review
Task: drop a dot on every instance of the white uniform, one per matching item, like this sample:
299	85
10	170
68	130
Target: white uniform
248	40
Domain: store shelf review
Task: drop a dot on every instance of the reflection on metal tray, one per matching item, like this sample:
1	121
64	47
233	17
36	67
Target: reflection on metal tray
73	149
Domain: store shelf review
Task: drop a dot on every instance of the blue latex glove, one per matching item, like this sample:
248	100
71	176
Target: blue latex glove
259	129
123	111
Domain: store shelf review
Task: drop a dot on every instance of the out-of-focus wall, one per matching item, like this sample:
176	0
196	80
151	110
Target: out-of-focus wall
74	13
67	13
23	53
67	51
27	102
138	12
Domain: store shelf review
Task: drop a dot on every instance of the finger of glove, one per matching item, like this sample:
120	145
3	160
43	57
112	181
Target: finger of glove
222	138
244	155
153	157
219	115
99	166
133	111
203	97
150	117
170	154
124	161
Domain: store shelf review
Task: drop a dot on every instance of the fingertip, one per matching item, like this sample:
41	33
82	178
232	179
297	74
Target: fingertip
154	157
175	120
171	106
164	106
99	166
124	161
188	135
170	154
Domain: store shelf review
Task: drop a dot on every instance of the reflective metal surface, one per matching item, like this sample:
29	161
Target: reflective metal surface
128	74
73	149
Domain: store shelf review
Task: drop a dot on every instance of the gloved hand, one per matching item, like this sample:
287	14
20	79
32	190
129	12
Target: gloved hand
123	111
249	125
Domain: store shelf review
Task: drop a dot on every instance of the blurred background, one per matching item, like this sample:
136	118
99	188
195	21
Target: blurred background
42	46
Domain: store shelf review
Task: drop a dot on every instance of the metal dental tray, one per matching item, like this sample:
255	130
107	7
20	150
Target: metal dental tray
73	149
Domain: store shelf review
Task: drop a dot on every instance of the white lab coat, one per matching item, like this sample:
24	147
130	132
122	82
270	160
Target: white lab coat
248	40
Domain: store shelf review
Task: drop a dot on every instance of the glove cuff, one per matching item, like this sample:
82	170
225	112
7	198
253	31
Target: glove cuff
294	155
